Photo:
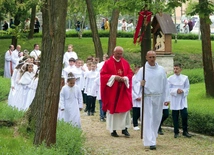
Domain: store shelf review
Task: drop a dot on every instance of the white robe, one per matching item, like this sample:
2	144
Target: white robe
178	101
35	54
15	58
90	77
154	97
67	56
71	101
14	86
23	89
7	65
79	75
67	70
31	93
136	92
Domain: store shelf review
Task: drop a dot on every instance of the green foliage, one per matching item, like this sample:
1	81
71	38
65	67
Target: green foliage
70	140
194	75
4	88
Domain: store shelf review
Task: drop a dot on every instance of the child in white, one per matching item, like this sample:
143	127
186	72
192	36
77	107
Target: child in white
23	89
91	98
71	101
136	99
14	84
68	69
31	94
179	89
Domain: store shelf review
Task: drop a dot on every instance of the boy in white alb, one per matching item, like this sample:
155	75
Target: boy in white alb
69	54
179	89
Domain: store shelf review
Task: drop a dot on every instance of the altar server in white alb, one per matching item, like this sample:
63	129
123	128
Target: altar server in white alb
179	89
155	85
69	54
36	53
71	101
8	65
15	56
136	98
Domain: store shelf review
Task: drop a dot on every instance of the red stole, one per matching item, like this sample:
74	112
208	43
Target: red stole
117	98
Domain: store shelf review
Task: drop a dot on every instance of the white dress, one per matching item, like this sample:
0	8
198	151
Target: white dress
31	93
23	89
71	101
15	58
35	54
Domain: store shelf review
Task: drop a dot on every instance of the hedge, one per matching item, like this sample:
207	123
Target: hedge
102	33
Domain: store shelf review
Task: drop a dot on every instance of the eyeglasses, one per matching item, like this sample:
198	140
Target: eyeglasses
152	57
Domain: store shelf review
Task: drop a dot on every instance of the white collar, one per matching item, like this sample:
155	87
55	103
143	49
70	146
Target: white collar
116	59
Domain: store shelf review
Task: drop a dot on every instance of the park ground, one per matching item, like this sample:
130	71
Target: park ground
99	141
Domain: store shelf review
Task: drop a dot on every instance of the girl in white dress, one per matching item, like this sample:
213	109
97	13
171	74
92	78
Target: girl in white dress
14	83
23	89
71	101
32	90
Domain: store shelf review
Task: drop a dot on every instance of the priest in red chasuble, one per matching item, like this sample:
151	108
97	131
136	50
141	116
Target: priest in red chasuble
116	88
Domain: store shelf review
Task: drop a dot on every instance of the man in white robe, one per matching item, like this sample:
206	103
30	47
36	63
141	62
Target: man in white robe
36	52
155	84
69	54
179	89
15	56
8	65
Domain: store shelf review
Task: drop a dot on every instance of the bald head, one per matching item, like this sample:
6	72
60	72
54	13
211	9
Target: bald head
151	57
118	52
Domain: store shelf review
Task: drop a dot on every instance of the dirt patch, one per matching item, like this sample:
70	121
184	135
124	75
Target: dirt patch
99	141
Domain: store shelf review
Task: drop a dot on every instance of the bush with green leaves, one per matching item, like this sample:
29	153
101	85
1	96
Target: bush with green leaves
4	88
194	75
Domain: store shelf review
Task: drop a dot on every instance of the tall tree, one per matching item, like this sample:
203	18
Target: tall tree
43	110
206	46
93	25
113	29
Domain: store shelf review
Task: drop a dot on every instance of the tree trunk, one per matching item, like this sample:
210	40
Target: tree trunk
43	110
32	21
146	42
113	31
207	54
16	23
95	35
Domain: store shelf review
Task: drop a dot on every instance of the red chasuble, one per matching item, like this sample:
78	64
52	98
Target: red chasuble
117	98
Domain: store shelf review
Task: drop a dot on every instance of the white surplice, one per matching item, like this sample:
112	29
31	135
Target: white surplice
178	101
67	56
8	64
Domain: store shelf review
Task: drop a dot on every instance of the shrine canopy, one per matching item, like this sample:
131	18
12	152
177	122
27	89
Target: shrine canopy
162	29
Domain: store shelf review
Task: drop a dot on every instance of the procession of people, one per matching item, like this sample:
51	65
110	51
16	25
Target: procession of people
113	83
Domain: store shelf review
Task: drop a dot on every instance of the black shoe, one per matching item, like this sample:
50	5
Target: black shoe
176	135
114	134
125	132
160	132
186	134
85	110
153	147
92	114
89	113
102	120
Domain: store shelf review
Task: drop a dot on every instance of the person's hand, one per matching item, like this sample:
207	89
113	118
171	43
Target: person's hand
119	78
62	109
143	83
166	103
180	91
80	109
138	99
13	88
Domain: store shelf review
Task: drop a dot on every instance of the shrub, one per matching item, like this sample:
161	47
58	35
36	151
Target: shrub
4	88
194	75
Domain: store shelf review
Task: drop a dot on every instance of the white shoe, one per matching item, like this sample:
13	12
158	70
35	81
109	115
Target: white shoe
136	128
